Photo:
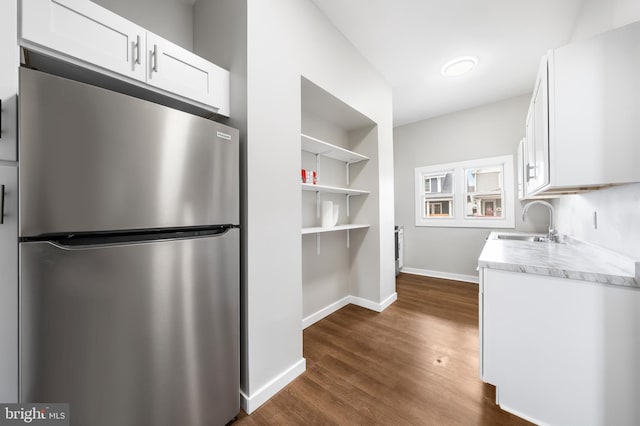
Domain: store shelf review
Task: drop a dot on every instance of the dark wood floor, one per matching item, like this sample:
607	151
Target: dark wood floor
416	363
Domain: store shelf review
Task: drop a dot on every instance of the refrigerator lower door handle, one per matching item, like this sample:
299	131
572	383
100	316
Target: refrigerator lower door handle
1	204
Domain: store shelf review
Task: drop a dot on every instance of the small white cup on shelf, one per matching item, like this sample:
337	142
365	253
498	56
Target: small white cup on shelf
329	214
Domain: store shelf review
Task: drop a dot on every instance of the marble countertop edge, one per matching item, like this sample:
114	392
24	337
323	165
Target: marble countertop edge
574	259
628	281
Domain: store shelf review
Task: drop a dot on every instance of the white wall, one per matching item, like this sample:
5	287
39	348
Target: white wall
366	278
171	19
598	16
617	208
486	131
618	212
287	39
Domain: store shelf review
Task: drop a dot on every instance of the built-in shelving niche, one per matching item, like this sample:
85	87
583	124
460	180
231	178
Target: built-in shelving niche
341	145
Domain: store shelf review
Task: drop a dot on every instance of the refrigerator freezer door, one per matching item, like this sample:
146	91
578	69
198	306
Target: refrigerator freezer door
94	160
138	334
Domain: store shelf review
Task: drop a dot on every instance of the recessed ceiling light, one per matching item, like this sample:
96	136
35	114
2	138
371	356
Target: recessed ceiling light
459	66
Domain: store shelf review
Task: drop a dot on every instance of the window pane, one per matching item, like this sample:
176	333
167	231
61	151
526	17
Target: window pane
484	192
484	206
485	179
438	207
438	183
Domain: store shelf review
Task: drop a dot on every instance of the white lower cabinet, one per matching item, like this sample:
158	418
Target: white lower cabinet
560	351
8	283
481	324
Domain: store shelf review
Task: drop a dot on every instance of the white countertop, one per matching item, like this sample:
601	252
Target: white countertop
571	259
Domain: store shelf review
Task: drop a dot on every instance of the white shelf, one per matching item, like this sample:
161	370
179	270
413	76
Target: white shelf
332	189
320	229
316	146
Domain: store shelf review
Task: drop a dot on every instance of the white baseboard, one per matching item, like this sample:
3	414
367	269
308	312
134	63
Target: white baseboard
250	403
444	275
378	307
522	416
358	301
325	312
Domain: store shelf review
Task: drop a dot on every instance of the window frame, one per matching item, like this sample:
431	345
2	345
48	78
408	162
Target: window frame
438	195
459	218
482	194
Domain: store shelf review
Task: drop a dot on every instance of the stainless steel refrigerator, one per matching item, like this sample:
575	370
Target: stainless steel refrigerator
129	258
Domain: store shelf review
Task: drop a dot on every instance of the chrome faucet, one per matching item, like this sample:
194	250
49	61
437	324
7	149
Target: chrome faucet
553	234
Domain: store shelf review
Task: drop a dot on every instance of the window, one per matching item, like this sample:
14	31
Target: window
476	193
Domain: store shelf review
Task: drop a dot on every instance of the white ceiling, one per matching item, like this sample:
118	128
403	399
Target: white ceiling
408	42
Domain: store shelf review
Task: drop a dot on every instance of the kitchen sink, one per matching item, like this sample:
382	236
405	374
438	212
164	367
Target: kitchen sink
517	237
536	238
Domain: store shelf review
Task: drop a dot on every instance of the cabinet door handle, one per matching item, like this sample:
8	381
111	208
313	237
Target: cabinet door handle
530	171
0	118
155	58
138	50
1	204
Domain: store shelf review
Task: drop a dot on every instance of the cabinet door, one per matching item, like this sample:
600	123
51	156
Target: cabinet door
481	322
561	351
537	166
176	70
8	79
521	169
82	30
596	107
528	156
9	284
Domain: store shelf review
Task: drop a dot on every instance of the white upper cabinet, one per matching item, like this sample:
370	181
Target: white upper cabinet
595	116
537	155
9	61
536	143
88	35
172	68
520	163
584	118
84	31
523	170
